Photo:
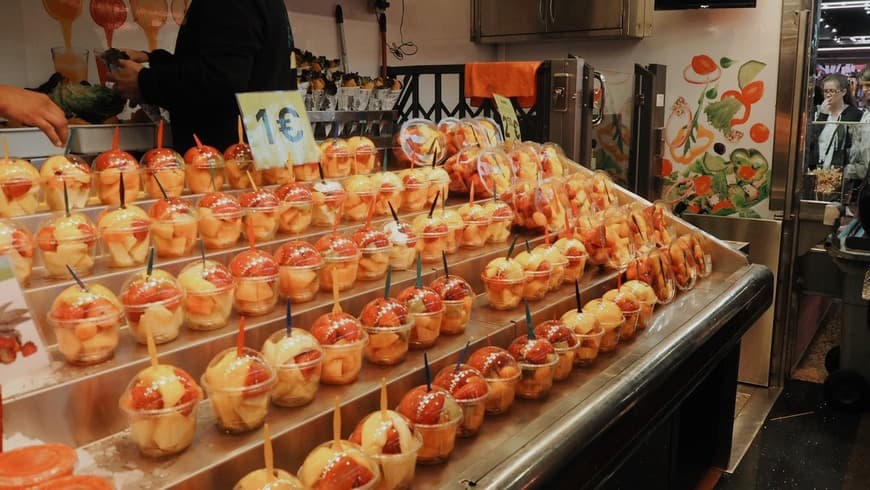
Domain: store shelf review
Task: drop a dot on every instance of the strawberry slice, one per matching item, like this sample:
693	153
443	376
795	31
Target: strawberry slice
393	444
305	358
141	227
344	473
16	187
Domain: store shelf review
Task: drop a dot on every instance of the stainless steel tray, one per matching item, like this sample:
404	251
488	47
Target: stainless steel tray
79	405
86	139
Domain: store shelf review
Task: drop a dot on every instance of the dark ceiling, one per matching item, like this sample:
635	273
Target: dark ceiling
844	24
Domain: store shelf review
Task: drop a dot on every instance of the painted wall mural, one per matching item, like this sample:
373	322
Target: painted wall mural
717	152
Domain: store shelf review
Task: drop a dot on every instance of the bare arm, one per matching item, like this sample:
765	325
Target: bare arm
34	109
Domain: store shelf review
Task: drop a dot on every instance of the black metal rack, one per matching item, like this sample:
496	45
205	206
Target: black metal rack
534	121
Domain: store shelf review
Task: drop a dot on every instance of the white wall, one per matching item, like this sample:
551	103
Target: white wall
440	30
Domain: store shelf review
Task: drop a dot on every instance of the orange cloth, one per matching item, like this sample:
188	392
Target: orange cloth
509	78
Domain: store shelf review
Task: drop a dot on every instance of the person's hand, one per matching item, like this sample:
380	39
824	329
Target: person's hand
825	106
34	109
136	56
126	80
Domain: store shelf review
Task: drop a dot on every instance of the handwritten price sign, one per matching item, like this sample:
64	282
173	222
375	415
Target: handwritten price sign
509	122
278	128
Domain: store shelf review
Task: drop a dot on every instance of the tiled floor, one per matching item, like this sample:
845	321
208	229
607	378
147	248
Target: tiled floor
806	444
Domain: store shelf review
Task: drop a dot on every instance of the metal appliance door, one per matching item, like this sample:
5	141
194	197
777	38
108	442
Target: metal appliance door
511	17
764	237
566	97
573	107
645	159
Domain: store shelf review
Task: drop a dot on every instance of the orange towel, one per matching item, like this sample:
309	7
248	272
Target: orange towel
509	78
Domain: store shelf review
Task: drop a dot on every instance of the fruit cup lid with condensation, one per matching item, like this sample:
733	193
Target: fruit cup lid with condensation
421	141
298	253
79	482
21	468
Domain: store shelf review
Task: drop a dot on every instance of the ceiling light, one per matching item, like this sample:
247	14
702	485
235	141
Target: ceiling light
827	26
834	30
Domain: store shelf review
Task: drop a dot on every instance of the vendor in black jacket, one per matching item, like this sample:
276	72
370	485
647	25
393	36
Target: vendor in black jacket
223	47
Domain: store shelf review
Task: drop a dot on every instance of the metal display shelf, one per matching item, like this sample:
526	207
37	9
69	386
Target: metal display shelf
524	448
379	126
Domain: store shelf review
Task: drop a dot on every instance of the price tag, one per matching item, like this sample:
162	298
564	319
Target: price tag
509	122
278	128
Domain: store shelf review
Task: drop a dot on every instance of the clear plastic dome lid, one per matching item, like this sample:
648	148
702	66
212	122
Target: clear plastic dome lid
421	141
570	247
434	225
386	432
68	167
370	239
15	170
340	464
641	290
605	311
467	157
75	304
532	351
240	152
130	217
580	322
499	210
473	212
115	159
294	193
337	328
161	158
491	130
553	160
557	333
229	371
61	228
221	205
14	235
384	312
334	148
328	187
602	191
400	233
452	288
205	276
426	406
415	177
421	300
298	349
387	182
526	163
359	184
160	287
254	263
161	389
262	198
494	362
505	269
463	382
298	253
494	169
204	157
171	209
627	301
336	246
